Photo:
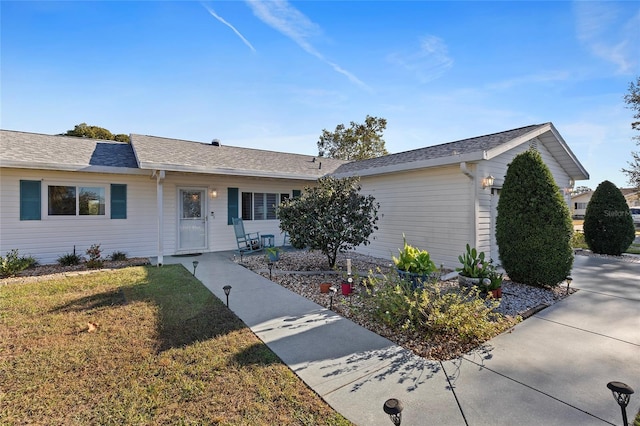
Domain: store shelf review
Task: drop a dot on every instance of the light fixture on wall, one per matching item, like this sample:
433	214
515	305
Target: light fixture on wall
213	193
487	182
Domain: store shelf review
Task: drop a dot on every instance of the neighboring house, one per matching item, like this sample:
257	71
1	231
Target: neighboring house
153	197
158	196
442	197
579	202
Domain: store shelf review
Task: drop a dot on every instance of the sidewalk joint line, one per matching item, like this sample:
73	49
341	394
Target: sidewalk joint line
607	294
538	390
454	393
587	331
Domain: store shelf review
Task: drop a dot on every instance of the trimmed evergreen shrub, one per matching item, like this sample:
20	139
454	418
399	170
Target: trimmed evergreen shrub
608	225
533	227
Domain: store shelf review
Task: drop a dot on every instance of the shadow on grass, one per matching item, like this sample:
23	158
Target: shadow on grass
187	311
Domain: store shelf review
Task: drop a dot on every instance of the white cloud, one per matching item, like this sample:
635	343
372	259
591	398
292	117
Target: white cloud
428	63
539	78
219	18
288	20
610	32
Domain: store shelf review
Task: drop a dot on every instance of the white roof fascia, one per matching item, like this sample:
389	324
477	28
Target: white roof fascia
583	171
413	165
225	171
502	148
72	168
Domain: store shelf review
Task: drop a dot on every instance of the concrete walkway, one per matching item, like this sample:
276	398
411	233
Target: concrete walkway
552	369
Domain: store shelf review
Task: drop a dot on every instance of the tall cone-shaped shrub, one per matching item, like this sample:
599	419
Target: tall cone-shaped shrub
533	227
608	225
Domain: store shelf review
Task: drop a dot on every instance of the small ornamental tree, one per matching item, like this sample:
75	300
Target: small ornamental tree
608	225
332	217
533	227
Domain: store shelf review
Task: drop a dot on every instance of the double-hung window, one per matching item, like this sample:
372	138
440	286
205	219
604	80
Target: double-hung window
260	205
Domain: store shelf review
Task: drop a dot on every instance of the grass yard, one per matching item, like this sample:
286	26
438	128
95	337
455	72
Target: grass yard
140	345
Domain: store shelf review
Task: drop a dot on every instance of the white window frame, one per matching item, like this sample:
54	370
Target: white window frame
107	197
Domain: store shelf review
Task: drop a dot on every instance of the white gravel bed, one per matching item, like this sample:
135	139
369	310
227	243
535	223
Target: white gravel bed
516	299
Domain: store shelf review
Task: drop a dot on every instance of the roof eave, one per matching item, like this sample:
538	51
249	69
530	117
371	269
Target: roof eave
405	167
226	171
71	167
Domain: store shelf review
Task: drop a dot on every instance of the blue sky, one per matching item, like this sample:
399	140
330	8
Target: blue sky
273	74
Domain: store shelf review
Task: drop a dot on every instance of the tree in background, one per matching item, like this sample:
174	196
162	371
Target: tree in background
608	225
580	190
358	142
632	100
332	217
533	227
83	130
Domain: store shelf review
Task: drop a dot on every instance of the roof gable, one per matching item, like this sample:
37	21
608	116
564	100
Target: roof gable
471	149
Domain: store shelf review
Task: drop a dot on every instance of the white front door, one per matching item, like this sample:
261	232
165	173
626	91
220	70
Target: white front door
192	220
495	197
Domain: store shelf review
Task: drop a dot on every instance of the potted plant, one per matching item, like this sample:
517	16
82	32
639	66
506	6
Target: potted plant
324	287
493	282
414	265
273	254
473	268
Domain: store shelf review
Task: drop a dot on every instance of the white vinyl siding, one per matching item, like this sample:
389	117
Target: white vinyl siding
431	207
52	236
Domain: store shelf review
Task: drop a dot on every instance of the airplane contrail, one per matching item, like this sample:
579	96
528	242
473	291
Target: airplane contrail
221	19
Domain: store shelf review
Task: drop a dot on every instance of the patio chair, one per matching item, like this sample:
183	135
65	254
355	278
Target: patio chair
247	242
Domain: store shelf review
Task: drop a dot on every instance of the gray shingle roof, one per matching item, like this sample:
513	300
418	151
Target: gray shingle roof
178	155
33	150
451	149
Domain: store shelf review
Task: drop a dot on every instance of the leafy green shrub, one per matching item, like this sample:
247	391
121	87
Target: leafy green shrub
577	240
69	259
533	227
118	256
431	311
331	217
13	263
413	260
95	259
608	225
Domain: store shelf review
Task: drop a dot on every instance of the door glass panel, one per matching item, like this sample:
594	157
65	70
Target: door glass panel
192	222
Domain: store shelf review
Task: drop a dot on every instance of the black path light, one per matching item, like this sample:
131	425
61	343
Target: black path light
195	265
270	266
393	407
227	290
333	291
621	393
568	280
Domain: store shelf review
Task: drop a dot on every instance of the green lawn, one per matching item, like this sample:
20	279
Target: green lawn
140	345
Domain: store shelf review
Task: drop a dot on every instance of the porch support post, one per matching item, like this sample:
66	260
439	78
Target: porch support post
160	175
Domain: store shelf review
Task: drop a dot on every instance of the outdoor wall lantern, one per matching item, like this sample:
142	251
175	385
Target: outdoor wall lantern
195	265
568	280
227	290
393	407
213	193
487	182
621	393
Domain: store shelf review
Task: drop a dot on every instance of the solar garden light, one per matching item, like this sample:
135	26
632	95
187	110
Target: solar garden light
195	265
621	393
568	280
333	291
227	290
393	407
270	266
